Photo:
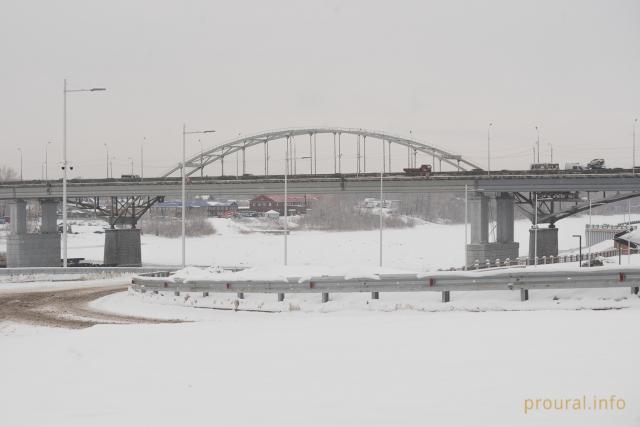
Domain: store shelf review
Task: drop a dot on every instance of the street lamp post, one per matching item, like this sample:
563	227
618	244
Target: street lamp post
580	248
20	150
535	230
144	139
286	197
65	164
184	185
489	149
635	121
131	160
466	216
46	160
590	230
629	232
538	143
106	147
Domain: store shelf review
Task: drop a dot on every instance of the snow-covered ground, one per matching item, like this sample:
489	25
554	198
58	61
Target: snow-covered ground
404	360
404	368
424	247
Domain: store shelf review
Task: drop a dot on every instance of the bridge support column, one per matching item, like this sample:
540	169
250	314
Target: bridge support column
504	218
122	247
547	243
480	248
33	249
479	214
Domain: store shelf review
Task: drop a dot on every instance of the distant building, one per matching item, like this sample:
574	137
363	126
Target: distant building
371	205
219	209
223	209
296	204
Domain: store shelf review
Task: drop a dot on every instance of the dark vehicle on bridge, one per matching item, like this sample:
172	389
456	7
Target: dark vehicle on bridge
545	167
596	164
424	170
130	177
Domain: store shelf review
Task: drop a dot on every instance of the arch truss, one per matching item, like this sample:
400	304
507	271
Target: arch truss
240	144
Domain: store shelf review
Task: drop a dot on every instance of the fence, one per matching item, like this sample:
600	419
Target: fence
551	259
444	282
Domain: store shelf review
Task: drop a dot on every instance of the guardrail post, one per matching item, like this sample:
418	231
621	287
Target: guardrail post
375	295
240	295
446	296
524	294
497	262
507	262
280	297
544	259
488	263
325	297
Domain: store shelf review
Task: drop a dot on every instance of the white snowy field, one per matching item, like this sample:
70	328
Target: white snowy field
424	247
404	360
405	368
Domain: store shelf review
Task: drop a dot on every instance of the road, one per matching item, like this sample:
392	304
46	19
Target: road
64	308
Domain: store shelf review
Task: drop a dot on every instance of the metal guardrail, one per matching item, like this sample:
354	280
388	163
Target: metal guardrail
446	282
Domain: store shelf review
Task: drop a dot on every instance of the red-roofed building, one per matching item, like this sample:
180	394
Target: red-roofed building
296	204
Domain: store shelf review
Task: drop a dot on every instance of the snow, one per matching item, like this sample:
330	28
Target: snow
404	360
279	273
424	247
345	369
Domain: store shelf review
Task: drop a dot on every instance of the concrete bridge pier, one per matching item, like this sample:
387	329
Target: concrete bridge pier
122	247
33	249
480	248
547	243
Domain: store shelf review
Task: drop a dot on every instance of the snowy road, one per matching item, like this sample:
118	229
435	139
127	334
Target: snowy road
66	306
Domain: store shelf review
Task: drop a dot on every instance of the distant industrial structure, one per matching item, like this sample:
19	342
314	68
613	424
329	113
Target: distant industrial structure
296	204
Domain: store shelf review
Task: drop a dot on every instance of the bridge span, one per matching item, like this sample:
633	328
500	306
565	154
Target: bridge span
503	181
547	195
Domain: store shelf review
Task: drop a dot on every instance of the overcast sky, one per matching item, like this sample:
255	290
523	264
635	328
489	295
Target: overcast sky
442	70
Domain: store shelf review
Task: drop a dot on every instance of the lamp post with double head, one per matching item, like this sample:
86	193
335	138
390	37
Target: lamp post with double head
184	185
65	164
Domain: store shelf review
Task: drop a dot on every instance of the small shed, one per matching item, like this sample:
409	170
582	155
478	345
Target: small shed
272	214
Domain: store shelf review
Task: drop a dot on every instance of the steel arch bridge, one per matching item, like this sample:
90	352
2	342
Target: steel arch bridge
241	143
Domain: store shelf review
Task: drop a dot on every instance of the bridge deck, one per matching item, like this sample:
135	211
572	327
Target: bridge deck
503	181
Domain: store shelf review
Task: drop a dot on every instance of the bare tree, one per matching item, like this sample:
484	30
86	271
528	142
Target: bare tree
7	173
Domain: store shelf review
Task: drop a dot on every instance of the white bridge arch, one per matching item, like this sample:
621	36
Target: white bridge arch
241	143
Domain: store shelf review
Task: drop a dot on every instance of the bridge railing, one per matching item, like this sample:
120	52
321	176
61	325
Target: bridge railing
557	259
